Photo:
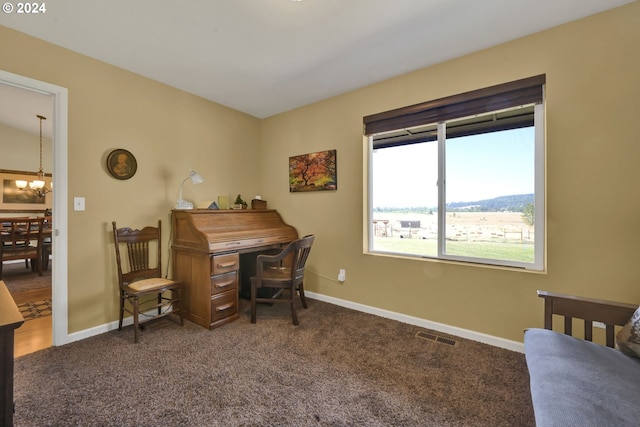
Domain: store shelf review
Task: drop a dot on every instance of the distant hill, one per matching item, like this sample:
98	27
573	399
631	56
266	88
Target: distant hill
514	203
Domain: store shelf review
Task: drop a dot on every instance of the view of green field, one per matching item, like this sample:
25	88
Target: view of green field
491	235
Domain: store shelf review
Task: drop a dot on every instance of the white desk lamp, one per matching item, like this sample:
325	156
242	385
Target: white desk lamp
195	179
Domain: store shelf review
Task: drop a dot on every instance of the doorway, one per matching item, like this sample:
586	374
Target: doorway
59	278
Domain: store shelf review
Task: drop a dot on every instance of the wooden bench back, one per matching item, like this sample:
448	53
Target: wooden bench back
610	313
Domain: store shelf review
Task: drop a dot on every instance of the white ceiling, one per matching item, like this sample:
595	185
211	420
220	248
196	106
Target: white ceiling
264	57
19	108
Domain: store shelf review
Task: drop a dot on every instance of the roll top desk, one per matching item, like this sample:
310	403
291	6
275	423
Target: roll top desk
208	247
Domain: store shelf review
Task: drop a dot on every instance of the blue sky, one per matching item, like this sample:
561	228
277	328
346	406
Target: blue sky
478	167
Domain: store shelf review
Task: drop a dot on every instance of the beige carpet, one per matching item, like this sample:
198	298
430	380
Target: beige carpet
337	368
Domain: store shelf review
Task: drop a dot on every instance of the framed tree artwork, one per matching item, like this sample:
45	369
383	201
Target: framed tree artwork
313	172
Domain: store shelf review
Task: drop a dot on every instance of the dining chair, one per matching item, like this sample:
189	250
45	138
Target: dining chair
140	276
21	238
284	272
47	226
6	223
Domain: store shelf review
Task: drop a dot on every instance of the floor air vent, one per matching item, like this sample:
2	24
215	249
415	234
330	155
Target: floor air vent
433	337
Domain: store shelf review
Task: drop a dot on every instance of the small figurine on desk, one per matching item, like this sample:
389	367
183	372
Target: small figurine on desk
239	203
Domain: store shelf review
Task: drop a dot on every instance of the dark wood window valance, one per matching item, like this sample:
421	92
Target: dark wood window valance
494	98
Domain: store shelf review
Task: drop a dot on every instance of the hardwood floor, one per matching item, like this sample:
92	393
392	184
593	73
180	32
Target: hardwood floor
34	334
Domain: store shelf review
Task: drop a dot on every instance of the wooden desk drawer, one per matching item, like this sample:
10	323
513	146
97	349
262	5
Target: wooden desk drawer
224	305
226	263
224	282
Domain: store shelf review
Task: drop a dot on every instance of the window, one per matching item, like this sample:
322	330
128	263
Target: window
461	178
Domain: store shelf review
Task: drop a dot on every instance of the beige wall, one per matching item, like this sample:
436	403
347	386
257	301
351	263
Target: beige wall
593	201
167	130
592	69
21	150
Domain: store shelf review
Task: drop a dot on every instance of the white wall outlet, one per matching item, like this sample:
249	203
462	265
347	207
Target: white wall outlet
78	203
342	275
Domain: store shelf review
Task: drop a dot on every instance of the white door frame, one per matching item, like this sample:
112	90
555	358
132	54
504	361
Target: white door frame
59	267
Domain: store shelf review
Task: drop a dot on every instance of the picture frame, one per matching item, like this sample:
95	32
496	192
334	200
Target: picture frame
15	200
313	171
121	164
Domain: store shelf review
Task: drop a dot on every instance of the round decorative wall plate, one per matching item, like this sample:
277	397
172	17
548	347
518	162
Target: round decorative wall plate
121	164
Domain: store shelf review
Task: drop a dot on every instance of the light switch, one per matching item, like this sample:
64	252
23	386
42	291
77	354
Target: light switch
78	203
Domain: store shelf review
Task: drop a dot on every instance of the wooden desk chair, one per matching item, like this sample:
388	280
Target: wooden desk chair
21	238
285	272
139	276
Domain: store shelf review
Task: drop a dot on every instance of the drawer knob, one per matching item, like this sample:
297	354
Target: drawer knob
225	284
226	264
224	307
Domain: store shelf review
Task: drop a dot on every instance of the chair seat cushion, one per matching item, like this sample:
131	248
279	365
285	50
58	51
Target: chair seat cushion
150	284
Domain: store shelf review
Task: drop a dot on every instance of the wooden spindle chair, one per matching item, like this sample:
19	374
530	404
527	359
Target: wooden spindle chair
140	277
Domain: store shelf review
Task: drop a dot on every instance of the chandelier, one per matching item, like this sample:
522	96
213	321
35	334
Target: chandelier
37	185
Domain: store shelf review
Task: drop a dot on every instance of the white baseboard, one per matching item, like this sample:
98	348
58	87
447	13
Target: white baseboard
107	327
427	324
411	320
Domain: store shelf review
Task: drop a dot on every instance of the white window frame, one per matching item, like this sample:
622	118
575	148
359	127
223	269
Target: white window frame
539	263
